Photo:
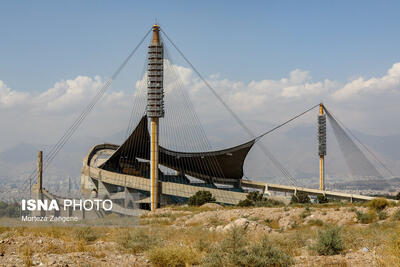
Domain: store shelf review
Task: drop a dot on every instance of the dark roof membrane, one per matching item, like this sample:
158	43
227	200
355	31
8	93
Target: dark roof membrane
226	164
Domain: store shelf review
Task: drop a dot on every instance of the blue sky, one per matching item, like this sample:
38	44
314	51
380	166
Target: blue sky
43	42
274	59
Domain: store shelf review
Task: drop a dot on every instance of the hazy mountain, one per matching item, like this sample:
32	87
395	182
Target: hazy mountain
294	146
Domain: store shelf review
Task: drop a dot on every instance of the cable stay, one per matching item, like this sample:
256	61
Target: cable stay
358	164
264	149
78	121
286	122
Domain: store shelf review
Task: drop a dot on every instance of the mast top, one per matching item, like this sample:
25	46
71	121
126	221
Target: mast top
156	34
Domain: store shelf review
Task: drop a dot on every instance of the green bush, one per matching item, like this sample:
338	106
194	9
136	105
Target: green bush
322	199
86	233
256	199
246	203
235	250
137	241
398	196
366	218
300	197
264	254
200	198
11	210
378	203
330	241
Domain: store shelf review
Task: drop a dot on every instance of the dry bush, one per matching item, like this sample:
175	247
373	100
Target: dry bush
274	224
292	242
2	249
390	253
374	235
378	204
156	221
4	229
87	234
173	256
366	218
382	215
25	251
396	215
236	250
137	240
315	222
329	241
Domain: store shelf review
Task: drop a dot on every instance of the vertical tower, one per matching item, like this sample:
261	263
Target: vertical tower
155	108
40	171
322	145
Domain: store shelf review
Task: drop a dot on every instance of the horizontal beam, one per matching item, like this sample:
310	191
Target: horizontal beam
167	188
293	189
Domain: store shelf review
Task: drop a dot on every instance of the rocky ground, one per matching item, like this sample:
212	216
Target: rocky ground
291	228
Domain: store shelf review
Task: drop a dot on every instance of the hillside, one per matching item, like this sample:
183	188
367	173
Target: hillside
204	236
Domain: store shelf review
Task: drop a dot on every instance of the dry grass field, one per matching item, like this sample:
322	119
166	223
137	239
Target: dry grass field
333	234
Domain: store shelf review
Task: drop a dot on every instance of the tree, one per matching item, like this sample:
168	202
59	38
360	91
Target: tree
257	199
322	199
200	198
300	197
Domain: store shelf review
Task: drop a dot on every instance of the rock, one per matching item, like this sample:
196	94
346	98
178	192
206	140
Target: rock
219	228
40	241
212	229
211	206
240	223
364	249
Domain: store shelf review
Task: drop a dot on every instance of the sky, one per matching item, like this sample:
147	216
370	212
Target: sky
268	59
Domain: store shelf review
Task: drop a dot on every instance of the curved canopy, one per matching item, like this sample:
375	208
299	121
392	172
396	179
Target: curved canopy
226	164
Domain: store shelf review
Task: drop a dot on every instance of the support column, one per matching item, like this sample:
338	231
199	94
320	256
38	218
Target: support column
322	145
40	171
37	188
155	109
154	163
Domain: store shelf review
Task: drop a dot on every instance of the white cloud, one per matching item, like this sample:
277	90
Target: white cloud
373	86
43	117
10	98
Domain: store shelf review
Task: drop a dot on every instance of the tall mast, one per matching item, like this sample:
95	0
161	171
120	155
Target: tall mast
322	145
155	109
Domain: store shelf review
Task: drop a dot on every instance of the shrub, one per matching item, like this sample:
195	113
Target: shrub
365	217
264	254
235	251
229	252
255	196
330	241
137	241
305	214
398	196
172	256
382	215
200	198
245	203
11	210
256	199
26	254
396	215
322	199
86	234
378	204
300	197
